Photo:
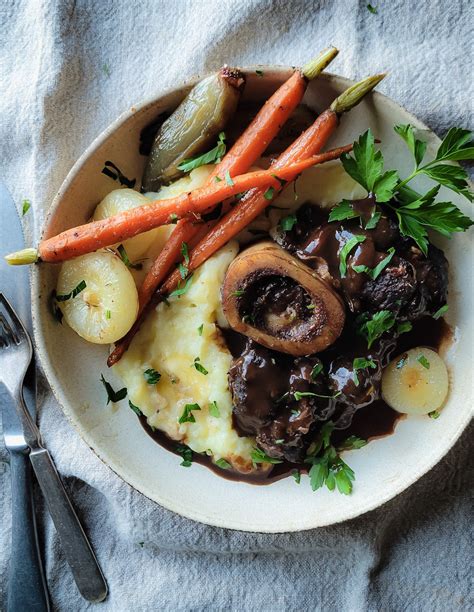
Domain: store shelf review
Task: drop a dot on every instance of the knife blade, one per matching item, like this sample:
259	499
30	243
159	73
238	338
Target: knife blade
26	584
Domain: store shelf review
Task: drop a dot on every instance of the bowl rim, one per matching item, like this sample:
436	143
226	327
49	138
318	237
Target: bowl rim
52	378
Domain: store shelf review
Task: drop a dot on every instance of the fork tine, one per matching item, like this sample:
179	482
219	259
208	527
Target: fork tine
5	336
15	330
8	330
4	343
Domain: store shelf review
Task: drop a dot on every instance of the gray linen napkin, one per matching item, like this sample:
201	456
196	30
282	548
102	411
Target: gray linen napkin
68	68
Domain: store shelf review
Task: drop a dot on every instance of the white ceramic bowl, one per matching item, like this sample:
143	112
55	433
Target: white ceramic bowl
384	468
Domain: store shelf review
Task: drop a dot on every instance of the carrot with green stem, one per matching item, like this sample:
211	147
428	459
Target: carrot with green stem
127	224
246	150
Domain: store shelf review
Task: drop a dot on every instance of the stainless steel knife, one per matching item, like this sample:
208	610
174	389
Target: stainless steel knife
26	585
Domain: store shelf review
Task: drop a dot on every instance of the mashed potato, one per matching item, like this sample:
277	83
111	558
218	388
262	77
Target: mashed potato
170	340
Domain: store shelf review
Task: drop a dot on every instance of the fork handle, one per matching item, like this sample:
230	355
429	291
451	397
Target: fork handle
26	584
77	550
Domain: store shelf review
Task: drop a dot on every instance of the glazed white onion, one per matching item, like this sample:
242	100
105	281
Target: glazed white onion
105	309
416	382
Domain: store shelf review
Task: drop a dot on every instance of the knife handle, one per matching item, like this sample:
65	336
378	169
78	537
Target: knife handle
77	550
26	584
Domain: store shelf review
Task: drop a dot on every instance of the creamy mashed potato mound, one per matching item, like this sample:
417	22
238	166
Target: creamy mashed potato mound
169	342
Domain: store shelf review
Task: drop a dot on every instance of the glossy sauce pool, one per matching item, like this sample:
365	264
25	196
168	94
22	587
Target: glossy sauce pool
368	423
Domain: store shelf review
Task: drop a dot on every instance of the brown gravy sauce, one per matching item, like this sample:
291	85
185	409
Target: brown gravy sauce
368	423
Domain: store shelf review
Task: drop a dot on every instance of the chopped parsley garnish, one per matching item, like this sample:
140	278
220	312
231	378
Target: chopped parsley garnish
372	327
113	396
442	311
344	253
316	371
327	467
434	414
214	410
199	367
173	218
124	257
217	179
200	328
25	207
361	363
258	456
311	306
372	9
415	212
424	362
298	395
183	271
374	273
296	475
269	193
222	463
188	416
135	409
374	219
185	252
213	156
352	443
106	70
287	223
228	179
182	289
238	293
108	314
151	376
402	361
342	211
186	453
74	293
259	72
345	210
403	327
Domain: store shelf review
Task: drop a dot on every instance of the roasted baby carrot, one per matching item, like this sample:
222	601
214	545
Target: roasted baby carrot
106	232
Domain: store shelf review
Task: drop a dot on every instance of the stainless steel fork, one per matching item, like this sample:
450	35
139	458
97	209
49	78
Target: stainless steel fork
15	355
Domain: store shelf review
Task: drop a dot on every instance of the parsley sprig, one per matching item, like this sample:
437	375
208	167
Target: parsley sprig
259	456
416	213
187	415
327	466
112	395
373	326
213	156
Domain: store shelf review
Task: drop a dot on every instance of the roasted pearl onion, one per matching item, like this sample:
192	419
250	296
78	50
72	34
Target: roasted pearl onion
415	382
106	308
